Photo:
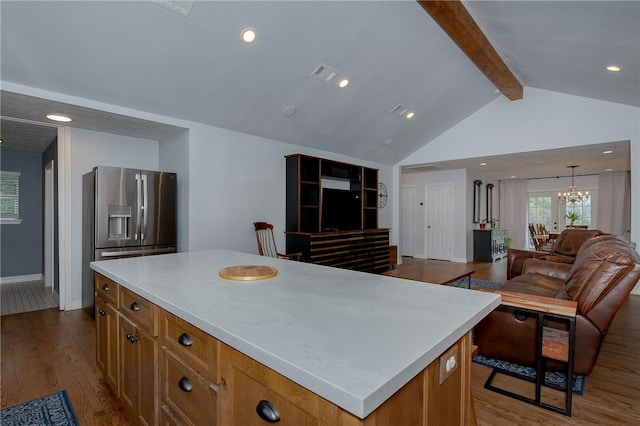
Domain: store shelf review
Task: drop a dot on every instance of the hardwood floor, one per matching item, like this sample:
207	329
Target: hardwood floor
46	351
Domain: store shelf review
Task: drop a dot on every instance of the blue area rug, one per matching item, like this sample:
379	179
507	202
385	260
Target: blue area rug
54	409
463	283
552	378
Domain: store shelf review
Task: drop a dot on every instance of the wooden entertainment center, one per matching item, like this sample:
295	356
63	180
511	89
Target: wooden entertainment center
332	214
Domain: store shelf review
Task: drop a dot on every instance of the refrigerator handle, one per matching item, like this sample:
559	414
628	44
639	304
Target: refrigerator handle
138	206
144	206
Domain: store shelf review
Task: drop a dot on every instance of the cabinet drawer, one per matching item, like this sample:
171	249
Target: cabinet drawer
248	387
139	310
107	289
191	343
187	395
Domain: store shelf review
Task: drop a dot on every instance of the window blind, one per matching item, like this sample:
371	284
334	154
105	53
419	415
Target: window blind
9	195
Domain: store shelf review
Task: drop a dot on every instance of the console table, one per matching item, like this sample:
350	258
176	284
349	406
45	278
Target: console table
489	244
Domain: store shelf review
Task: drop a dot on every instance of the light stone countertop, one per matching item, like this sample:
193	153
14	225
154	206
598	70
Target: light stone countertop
353	338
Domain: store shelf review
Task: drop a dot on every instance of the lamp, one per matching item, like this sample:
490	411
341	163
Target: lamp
573	195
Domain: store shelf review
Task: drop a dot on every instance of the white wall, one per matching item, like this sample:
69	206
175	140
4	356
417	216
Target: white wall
541	120
460	209
237	179
226	180
90	149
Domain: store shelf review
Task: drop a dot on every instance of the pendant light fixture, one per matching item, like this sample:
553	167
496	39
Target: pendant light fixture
573	196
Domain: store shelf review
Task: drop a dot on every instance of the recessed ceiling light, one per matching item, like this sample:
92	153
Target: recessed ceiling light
614	68
343	83
483	164
609	151
608	170
512	177
59	117
248	35
410	114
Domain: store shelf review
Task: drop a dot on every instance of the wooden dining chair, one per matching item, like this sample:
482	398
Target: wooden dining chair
532	234
267	243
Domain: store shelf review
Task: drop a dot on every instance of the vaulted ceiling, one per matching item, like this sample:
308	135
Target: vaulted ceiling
139	55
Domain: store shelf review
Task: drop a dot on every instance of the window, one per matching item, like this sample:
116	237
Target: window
584	212
9	197
541	211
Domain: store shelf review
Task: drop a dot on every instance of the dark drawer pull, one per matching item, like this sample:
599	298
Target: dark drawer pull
135	307
105	287
185	385
267	412
185	340
102	312
132	338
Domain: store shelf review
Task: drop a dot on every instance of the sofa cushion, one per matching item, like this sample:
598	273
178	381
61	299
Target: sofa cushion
598	267
536	284
569	241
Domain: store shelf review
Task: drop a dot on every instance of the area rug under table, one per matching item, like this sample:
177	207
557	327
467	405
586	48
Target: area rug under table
552	378
475	283
54	410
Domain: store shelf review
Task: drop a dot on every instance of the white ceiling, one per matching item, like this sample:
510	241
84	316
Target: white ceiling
142	56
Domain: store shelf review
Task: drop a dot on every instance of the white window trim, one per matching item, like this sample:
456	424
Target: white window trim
10	221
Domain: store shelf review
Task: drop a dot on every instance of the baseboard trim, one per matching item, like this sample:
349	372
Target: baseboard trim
454	259
75	304
21	278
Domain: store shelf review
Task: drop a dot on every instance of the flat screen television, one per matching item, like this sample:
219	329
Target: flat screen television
341	210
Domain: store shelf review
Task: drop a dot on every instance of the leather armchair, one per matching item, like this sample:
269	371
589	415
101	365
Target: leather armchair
603	274
564	250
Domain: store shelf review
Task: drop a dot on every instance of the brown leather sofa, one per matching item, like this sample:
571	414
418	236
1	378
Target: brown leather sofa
604	272
564	250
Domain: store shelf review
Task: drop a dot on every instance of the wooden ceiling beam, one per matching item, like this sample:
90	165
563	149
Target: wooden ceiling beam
456	21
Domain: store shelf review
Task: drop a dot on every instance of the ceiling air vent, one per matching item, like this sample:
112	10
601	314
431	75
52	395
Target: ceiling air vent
181	7
400	110
324	73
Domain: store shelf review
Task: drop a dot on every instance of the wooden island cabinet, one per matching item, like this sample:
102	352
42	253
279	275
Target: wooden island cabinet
205	382
204	355
127	348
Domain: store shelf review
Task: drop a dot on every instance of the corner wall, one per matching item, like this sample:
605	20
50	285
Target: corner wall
541	120
22	244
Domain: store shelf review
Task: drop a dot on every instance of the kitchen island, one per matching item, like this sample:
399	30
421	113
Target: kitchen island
355	340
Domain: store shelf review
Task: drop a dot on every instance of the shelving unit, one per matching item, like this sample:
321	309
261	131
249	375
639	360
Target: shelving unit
304	183
364	246
370	199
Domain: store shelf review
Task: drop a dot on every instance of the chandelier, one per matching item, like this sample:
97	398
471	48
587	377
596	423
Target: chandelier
573	196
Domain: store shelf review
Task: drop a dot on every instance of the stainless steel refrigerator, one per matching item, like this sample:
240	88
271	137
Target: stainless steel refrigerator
126	212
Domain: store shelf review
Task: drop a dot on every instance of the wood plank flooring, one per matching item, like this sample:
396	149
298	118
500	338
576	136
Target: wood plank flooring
46	351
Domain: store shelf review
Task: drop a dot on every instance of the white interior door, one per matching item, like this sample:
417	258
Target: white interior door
438	221
407	220
48	226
